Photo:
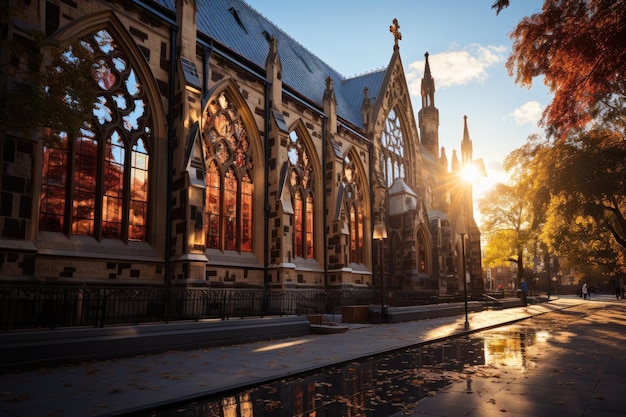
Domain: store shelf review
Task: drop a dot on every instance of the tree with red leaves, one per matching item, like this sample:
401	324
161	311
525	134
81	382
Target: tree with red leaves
579	48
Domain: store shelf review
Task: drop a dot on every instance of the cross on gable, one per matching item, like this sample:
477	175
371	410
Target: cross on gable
396	32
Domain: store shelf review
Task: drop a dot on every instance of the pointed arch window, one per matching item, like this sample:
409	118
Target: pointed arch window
421	255
229	179
96	184
392	156
354	202
301	183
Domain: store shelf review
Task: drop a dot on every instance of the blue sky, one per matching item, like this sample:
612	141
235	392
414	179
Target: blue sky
468	47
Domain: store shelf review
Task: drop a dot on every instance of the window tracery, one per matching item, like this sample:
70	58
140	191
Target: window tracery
229	178
92	184
421	255
392	156
301	183
354	201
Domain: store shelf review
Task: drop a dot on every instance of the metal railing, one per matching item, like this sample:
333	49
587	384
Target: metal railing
50	307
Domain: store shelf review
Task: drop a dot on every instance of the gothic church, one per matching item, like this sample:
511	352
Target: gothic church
222	153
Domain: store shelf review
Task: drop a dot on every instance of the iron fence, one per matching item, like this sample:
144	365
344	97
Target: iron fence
50	307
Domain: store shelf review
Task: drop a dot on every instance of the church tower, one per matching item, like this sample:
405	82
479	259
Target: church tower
429	114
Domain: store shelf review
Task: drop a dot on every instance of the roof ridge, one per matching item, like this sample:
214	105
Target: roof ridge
370	72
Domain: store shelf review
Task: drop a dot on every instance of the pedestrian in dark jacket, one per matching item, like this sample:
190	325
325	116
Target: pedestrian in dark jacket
524	287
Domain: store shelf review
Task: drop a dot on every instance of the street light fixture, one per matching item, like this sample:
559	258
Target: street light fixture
464	278
380	233
471	172
461	230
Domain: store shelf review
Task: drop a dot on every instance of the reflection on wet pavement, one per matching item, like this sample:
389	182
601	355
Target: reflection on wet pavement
381	385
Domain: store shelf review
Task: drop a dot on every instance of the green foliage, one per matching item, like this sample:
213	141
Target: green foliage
51	85
569	196
586	179
500	5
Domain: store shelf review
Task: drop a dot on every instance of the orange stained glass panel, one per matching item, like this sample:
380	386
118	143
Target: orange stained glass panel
53	186
85	171
138	213
298	220
360	233
309	227
213	206
230	211
246	214
113	188
353	234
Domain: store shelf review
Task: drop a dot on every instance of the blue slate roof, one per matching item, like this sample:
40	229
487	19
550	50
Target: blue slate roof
239	27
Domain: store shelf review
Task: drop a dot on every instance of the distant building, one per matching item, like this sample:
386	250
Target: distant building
223	153
502	277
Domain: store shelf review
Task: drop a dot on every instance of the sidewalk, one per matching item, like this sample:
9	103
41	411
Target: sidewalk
121	386
578	371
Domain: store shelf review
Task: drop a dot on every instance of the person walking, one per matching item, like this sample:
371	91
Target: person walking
585	291
524	287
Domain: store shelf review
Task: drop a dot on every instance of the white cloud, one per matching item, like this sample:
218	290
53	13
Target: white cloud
529	112
457	67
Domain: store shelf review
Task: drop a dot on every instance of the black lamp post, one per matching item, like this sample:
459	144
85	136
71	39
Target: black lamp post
548	271
380	233
464	279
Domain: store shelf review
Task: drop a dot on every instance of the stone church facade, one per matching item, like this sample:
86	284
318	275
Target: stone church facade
222	153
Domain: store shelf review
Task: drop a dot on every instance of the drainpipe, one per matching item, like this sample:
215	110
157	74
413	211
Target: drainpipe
171	145
266	205
324	201
372	221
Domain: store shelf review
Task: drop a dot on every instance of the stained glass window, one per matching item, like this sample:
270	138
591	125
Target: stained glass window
113	199
84	190
229	181
138	192
308	238
421	256
300	181
213	206
96	184
392	156
54	185
354	203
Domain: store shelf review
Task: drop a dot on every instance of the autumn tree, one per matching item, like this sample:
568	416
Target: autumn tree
508	226
578	49
580	185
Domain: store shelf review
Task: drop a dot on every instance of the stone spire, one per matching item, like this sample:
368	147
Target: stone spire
330	106
367	110
443	160
274	69
428	115
428	86
466	144
456	165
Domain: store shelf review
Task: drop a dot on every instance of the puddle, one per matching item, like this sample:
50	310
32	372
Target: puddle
374	387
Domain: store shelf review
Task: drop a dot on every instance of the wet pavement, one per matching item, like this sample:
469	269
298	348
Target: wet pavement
578	369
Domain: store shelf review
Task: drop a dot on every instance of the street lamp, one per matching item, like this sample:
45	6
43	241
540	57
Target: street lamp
464	278
380	233
461	230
